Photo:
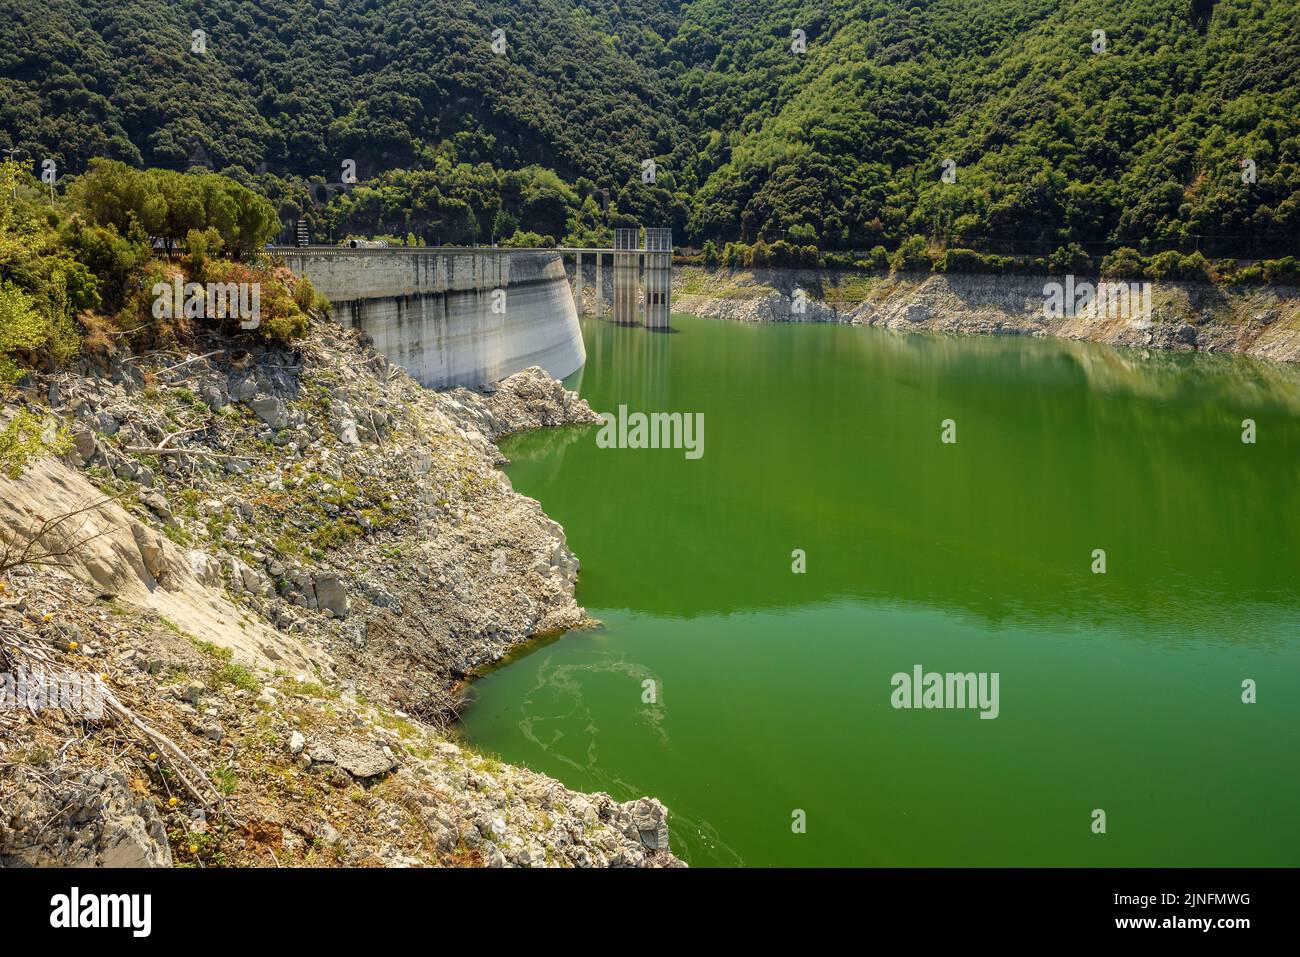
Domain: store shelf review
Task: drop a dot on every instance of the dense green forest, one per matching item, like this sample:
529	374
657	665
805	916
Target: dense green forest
1003	126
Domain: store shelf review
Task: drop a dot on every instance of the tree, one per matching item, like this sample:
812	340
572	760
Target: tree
22	329
913	255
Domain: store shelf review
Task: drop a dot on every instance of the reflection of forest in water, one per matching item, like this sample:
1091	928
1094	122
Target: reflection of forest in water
827	439
546	445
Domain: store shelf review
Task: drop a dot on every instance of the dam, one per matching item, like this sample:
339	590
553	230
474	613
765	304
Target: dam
451	316
465	316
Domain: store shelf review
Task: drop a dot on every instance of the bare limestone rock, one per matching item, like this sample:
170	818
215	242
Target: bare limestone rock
270	410
119	557
100	824
363	760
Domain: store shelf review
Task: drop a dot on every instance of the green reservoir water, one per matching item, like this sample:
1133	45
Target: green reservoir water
1119	691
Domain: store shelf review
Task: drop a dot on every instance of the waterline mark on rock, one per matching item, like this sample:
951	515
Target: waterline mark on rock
654	430
953	690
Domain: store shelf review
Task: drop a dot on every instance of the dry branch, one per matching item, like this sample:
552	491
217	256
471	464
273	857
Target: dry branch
190	775
34	551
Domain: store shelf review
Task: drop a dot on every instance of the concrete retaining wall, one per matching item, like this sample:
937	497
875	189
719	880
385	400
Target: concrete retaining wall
431	310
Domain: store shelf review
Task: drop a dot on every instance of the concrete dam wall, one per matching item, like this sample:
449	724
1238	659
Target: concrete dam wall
452	317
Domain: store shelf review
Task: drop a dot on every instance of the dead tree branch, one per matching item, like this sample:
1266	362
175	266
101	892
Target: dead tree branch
31	547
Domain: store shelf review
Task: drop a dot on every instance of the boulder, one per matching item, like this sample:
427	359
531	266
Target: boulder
346	430
213	396
83	441
330	594
270	410
363	760
204	567
151	551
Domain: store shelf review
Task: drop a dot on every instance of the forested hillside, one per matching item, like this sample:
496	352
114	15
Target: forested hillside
1176	129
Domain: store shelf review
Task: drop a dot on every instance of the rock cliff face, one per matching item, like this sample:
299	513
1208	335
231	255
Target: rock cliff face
286	562
1259	321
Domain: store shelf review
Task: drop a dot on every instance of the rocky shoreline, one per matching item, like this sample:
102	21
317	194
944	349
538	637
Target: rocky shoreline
1253	320
286	561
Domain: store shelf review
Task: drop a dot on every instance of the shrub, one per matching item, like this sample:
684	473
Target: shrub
307	298
1174	265
1124	263
25	436
22	330
110	256
783	254
201	246
526	239
802	234
1286	269
1196	267
281	318
1071	258
960	260
912	255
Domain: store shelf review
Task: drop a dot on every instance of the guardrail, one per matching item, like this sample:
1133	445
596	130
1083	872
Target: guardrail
424	250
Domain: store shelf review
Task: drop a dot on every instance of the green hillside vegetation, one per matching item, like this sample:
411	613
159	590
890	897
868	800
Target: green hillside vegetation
78	273
1052	141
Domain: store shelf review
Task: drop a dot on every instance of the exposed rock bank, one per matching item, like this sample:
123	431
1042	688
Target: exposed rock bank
1258	321
303	556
